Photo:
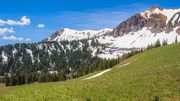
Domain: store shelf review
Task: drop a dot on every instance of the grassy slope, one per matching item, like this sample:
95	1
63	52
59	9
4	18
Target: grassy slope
150	74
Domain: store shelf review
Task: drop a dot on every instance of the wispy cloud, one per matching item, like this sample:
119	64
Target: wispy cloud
6	30
14	38
97	19
24	21
103	19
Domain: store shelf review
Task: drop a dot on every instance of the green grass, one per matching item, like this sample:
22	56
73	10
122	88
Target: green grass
154	74
1	85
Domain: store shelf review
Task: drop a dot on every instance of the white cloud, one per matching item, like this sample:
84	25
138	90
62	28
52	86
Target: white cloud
28	39
24	21
40	25
6	30
14	38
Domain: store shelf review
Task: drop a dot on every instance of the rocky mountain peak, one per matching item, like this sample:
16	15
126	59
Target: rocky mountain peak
154	11
154	8
155	19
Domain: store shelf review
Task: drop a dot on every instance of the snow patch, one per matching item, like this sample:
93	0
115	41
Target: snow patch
4	57
124	65
116	47
175	18
99	74
30	53
14	52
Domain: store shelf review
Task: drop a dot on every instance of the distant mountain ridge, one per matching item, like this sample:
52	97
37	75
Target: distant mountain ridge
71	34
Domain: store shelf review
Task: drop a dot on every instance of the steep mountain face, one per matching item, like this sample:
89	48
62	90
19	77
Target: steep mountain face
86	48
155	19
144	29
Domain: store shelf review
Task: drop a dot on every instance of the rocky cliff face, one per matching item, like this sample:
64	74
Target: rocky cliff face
174	22
178	31
155	19
135	23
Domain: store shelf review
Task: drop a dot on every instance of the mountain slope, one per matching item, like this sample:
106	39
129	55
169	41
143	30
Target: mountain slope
135	33
144	29
155	19
69	56
154	74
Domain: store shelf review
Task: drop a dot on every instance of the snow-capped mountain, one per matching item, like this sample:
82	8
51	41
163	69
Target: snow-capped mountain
137	32
147	27
155	19
70	34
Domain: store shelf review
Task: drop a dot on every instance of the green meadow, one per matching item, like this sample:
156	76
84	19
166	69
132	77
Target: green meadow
151	75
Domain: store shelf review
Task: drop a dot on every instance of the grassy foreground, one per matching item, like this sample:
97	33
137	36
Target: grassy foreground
154	74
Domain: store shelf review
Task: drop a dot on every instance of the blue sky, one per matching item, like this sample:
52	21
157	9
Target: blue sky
56	14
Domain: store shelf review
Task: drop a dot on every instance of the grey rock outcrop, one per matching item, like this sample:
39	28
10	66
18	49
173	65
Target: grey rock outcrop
156	23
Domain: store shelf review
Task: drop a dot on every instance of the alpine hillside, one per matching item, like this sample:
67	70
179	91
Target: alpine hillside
137	32
153	75
73	50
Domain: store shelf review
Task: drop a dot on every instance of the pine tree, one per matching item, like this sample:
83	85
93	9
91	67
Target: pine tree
164	42
157	44
176	40
7	80
62	76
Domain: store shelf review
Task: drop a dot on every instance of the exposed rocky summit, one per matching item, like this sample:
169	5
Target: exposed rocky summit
155	19
135	23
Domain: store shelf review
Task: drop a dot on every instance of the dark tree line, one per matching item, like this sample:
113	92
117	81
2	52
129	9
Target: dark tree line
159	44
18	78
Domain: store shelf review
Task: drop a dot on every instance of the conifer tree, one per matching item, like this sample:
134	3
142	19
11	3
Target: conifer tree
176	40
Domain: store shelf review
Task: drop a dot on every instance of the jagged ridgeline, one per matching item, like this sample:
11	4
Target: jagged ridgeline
48	56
